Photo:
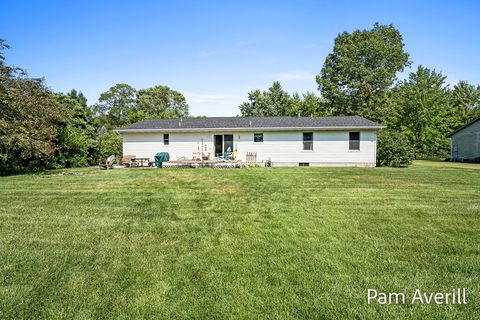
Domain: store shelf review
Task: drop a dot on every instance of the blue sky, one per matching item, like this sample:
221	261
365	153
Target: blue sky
215	52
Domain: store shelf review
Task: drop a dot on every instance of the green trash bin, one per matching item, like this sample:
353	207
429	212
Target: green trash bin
160	158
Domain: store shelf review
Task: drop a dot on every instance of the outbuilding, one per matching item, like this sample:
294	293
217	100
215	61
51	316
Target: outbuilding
466	142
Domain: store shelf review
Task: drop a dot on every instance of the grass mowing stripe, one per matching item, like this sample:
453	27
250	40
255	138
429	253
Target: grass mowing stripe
251	243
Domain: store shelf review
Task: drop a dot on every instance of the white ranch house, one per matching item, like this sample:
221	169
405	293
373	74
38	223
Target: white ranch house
284	141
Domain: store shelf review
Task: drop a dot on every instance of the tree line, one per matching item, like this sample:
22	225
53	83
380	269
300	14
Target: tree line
359	77
40	128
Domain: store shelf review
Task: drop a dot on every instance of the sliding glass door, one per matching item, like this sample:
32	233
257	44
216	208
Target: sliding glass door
228	142
221	143
218	142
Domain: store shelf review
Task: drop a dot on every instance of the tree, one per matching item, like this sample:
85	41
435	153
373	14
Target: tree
308	104
277	102
256	106
29	115
273	102
114	105
362	67
122	105
425	117
76	138
159	102
109	142
465	102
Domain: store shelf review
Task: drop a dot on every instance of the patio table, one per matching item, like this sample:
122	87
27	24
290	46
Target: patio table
139	162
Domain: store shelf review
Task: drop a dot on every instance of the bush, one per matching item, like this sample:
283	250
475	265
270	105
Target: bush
393	149
109	142
253	165
75	146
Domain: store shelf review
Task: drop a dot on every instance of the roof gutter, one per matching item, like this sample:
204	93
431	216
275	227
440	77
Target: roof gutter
251	129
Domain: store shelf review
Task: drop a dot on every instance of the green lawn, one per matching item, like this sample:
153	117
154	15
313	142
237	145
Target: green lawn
247	243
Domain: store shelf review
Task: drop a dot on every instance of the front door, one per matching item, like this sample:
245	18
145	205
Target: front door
221	143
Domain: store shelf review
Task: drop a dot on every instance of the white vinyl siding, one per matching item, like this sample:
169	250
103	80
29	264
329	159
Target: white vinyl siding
282	148
466	143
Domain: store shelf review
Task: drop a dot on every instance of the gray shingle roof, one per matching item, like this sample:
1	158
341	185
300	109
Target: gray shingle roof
252	122
464	126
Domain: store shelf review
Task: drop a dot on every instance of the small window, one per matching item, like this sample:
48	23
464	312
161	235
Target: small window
304	164
308	141
166	139
354	143
258	137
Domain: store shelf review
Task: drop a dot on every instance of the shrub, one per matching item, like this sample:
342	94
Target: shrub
109	142
253	165
393	149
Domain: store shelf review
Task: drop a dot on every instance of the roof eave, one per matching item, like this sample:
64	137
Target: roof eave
253	129
463	127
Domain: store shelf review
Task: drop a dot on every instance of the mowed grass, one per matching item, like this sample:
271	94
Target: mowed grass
278	243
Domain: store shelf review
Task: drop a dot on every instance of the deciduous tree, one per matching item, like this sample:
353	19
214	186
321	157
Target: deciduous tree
362	67
273	102
424	112
76	137
29	115
159	102
465	102
277	102
114	105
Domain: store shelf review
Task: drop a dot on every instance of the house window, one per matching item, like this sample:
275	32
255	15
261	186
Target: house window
166	139
354	142
308	141
304	164
258	137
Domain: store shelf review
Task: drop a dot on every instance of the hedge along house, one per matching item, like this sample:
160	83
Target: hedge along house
285	141
466	142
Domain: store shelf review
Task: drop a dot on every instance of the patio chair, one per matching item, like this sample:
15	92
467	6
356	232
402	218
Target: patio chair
197	154
228	154
127	160
208	155
108	163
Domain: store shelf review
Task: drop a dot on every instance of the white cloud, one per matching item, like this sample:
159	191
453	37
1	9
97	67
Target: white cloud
293	75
